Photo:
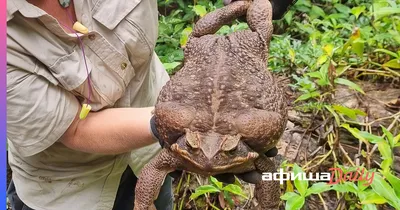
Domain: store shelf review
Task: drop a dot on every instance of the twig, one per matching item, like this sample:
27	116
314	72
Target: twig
346	154
184	192
323	202
319	162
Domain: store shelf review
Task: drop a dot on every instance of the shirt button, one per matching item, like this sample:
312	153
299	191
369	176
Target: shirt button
123	66
92	37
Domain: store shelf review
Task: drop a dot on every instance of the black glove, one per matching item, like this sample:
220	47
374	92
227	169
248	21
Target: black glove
280	7
154	131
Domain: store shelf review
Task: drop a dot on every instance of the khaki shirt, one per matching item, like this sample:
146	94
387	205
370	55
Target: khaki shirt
47	83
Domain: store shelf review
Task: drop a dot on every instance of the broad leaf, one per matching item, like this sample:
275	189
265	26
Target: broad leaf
387	52
234	189
301	185
371	137
370	197
350	84
346	187
382	188
200	10
394	181
342	8
185	36
385	150
356	11
215	182
318	188
394	64
288	195
204	190
385	11
351	113
389	136
295	202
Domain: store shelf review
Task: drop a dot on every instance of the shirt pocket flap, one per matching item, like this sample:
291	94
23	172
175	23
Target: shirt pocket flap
111	13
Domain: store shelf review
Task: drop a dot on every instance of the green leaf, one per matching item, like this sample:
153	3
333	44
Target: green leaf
330	109
200	10
346	187
385	150
295	202
289	17
288	195
216	182
386	164
328	49
394	181
356	11
341	69
354	131
342	8
350	84
351	113
228	197
203	190
370	137
171	66
382	188
358	47
322	59
389	136
387	52
308	95
396	139
394	64
369	207
317	11
301	185
370	197
385	11
318	188
185	36
232	188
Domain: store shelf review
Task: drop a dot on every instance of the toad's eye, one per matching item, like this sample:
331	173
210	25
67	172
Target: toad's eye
232	151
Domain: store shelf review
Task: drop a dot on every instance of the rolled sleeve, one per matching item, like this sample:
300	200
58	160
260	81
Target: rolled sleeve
38	112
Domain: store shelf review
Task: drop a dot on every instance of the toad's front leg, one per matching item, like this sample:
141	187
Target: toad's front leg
152	177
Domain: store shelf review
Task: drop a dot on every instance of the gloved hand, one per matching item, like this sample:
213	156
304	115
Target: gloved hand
251	177
154	132
280	7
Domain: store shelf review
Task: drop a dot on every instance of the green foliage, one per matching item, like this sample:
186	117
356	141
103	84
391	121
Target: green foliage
295	200
218	187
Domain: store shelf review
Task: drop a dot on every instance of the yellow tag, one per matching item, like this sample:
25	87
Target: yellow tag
85	111
80	28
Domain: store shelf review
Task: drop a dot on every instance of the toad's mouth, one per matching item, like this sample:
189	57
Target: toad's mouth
209	165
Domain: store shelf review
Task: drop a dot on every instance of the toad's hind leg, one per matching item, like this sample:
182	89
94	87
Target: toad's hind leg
259	18
267	193
213	21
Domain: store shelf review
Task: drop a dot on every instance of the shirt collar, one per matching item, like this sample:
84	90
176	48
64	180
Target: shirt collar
25	8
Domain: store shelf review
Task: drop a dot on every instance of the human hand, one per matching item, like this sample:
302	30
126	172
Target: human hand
280	7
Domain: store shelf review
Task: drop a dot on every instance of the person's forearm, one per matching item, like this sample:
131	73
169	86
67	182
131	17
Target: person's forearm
110	131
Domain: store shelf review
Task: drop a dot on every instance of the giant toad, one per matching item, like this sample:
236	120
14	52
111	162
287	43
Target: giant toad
223	109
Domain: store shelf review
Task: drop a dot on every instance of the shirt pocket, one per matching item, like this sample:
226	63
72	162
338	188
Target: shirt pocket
106	84
135	23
